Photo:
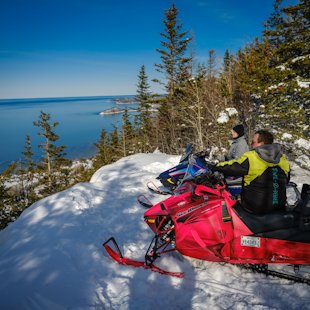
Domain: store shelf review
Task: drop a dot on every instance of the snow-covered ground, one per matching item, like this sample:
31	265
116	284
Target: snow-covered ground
52	258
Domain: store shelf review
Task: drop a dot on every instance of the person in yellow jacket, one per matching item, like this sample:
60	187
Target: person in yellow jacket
265	172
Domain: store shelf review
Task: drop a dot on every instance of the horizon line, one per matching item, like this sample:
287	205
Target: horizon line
60	97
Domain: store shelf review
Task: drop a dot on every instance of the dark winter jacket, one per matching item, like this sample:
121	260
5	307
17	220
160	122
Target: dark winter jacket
237	148
265	172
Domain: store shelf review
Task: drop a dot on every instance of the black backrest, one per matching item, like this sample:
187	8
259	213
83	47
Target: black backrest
305	200
305	207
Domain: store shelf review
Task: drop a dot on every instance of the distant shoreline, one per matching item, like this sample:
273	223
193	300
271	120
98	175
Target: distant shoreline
125	100
116	111
81	111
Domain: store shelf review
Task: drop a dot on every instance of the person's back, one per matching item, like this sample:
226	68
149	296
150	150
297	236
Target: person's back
265	171
239	144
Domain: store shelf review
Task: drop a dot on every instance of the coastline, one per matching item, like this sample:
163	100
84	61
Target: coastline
79	123
116	110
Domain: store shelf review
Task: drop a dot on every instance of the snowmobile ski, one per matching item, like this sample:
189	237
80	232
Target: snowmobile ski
155	189
118	257
144	201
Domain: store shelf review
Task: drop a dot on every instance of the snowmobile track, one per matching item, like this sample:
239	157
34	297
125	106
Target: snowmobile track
263	269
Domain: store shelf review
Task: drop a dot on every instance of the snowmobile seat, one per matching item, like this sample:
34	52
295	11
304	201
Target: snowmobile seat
259	223
290	234
230	181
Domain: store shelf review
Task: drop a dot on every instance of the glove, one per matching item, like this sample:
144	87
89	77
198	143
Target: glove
202	178
211	166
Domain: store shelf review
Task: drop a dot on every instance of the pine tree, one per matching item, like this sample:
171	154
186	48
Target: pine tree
143	87
228	59
53	161
143	122
104	151
175	65
28	154
176	68
116	144
128	137
29	169
274	21
249	71
7	197
211	71
287	32
226	79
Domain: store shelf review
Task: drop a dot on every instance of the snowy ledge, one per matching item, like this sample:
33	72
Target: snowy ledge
52	258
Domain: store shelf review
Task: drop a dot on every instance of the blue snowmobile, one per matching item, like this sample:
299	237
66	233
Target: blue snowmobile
172	177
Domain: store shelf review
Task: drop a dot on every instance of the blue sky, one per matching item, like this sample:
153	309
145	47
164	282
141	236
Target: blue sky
59	48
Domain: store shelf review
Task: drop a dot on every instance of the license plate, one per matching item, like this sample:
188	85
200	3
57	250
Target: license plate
250	241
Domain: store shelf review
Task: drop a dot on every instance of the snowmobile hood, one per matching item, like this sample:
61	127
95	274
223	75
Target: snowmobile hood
270	153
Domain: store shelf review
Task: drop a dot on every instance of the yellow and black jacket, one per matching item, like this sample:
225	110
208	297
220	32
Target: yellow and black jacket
265	172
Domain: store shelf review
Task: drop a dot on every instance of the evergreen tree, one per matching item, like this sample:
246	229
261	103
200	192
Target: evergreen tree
248	73
7	197
29	170
288	31
274	21
116	144
211	71
176	68
286	99
28	154
228	59
104	151
143	122
175	65
54	160
128	137
143	87
226	79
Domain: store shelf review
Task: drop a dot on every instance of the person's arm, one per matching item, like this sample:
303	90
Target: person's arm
237	167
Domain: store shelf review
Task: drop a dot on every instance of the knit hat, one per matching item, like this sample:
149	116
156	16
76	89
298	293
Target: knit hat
239	129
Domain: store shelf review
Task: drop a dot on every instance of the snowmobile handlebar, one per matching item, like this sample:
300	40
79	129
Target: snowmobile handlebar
210	178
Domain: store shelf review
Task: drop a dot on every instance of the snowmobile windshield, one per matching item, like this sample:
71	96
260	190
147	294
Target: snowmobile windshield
195	168
188	151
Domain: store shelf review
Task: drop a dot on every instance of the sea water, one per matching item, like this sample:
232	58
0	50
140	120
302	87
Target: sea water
80	124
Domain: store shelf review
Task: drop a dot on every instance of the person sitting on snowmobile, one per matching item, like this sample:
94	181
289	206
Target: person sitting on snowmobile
265	172
239	144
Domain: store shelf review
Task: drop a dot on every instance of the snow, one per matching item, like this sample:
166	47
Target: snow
286	136
51	258
223	118
225	115
300	58
282	68
275	86
303	143
231	111
303	84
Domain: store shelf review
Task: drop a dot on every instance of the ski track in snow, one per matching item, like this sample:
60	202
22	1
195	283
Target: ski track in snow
52	257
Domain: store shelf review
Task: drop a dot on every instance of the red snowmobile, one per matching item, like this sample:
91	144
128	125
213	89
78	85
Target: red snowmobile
203	221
